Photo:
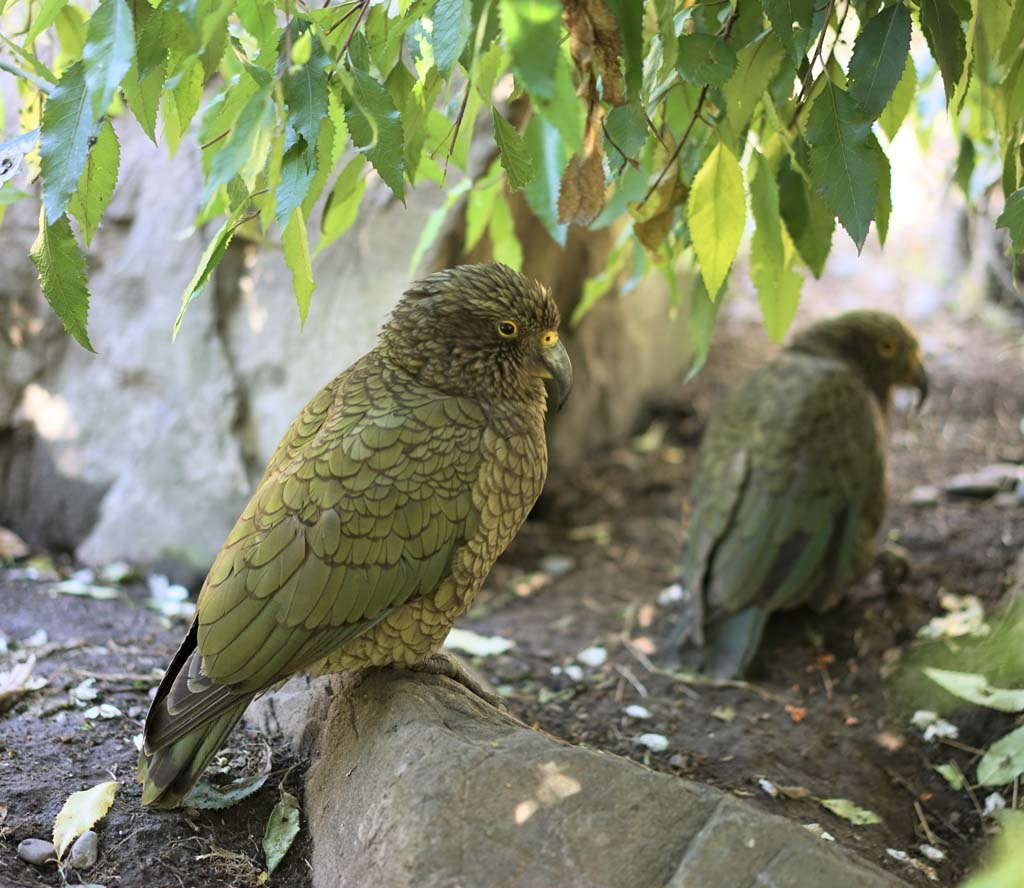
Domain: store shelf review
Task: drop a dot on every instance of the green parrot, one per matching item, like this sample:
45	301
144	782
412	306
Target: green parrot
790	486
379	516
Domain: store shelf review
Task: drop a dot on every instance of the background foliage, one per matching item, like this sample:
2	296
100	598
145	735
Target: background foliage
681	122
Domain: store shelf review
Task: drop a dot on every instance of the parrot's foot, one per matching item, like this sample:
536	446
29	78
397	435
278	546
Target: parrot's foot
448	665
893	562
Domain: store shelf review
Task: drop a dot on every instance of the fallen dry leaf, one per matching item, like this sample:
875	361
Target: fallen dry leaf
16	682
82	811
797	713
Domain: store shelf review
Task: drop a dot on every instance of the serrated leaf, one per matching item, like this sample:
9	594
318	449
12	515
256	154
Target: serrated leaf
208	797
550	155
452	24
210	259
515	159
234	153
343	202
143	96
701	323
43	17
68	126
1014	35
1004	760
849	811
505	245
61	267
705	58
808	220
630	17
96	186
879	59
80	812
324	150
376	128
1012	219
945	37
895	112
842	166
305	97
756	67
532	32
784	14
479	206
257	17
778	287
565	112
976	689
296	253
296	180
281	830
716	211
108	52
626	134
884	209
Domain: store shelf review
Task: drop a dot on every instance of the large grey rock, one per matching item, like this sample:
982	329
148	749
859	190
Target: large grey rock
414	782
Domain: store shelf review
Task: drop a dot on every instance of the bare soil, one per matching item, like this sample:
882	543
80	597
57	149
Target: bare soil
825	715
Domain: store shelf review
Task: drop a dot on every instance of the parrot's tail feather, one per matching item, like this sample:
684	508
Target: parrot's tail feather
736	643
168	773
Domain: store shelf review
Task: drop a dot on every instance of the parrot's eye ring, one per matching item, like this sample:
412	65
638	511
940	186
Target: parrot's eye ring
886	347
507	330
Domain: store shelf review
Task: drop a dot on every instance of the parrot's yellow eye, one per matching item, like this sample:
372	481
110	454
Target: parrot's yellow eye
886	347
549	339
507	330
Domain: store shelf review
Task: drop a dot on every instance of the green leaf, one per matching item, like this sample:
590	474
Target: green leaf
884	209
533	32
705	58
975	688
324	150
550	155
237	150
44	16
296	180
842	165
565	112
784	14
435	221
778	287
343	202
716	212
376	128
945	38
1004	760
809	222
626	134
210	259
1014	35
61	266
282	828
630	16
902	98
951	774
701	323
71	27
879	58
965	165
68	126
1012	219
302	48
515	158
452	23
505	245
296	254
144	81
257	17
187	94
96	186
479	206
305	97
849	811
756	67
108	52
208	797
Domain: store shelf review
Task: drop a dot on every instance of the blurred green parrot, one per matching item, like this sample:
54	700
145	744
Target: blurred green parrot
379	516
790	486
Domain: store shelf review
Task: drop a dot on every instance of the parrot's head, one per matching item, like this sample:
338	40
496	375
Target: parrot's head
885	353
482	331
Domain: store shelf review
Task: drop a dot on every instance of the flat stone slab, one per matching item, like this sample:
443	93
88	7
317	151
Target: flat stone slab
415	782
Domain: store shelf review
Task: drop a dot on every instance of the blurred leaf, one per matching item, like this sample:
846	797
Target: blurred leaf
44	16
324	150
849	811
435	221
81	812
975	688
1004	760
952	775
143	96
108	51
810	223
452	24
532	33
343	202
302	48
515	158
945	38
211	257
376	128
257	17
716	212
784	14
1014	34
549	153
902	98
630	16
96	186
282	828
479	206
504	243
884	208
701	324
296	253
305	97
565	111
61	266
756	66
964	165
235	152
842	166
705	58
1004	864
879	58
296	180
1012	219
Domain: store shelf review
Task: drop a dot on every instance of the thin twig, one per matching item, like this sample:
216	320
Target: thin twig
924	824
214	140
37	82
817	54
614	145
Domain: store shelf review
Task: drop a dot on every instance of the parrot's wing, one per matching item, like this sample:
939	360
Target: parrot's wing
362	506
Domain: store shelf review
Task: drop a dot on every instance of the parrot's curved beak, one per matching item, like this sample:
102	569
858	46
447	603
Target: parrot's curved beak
555	365
919	379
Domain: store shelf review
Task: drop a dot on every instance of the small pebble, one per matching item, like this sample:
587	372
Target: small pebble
670	594
925	495
994	802
85	851
768	787
557	565
592	656
932	853
636	711
654	742
36	851
574	672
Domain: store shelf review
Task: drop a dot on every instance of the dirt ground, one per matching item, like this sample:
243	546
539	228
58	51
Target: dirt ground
825	715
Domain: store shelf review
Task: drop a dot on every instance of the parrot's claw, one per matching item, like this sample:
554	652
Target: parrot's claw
448	665
894	564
